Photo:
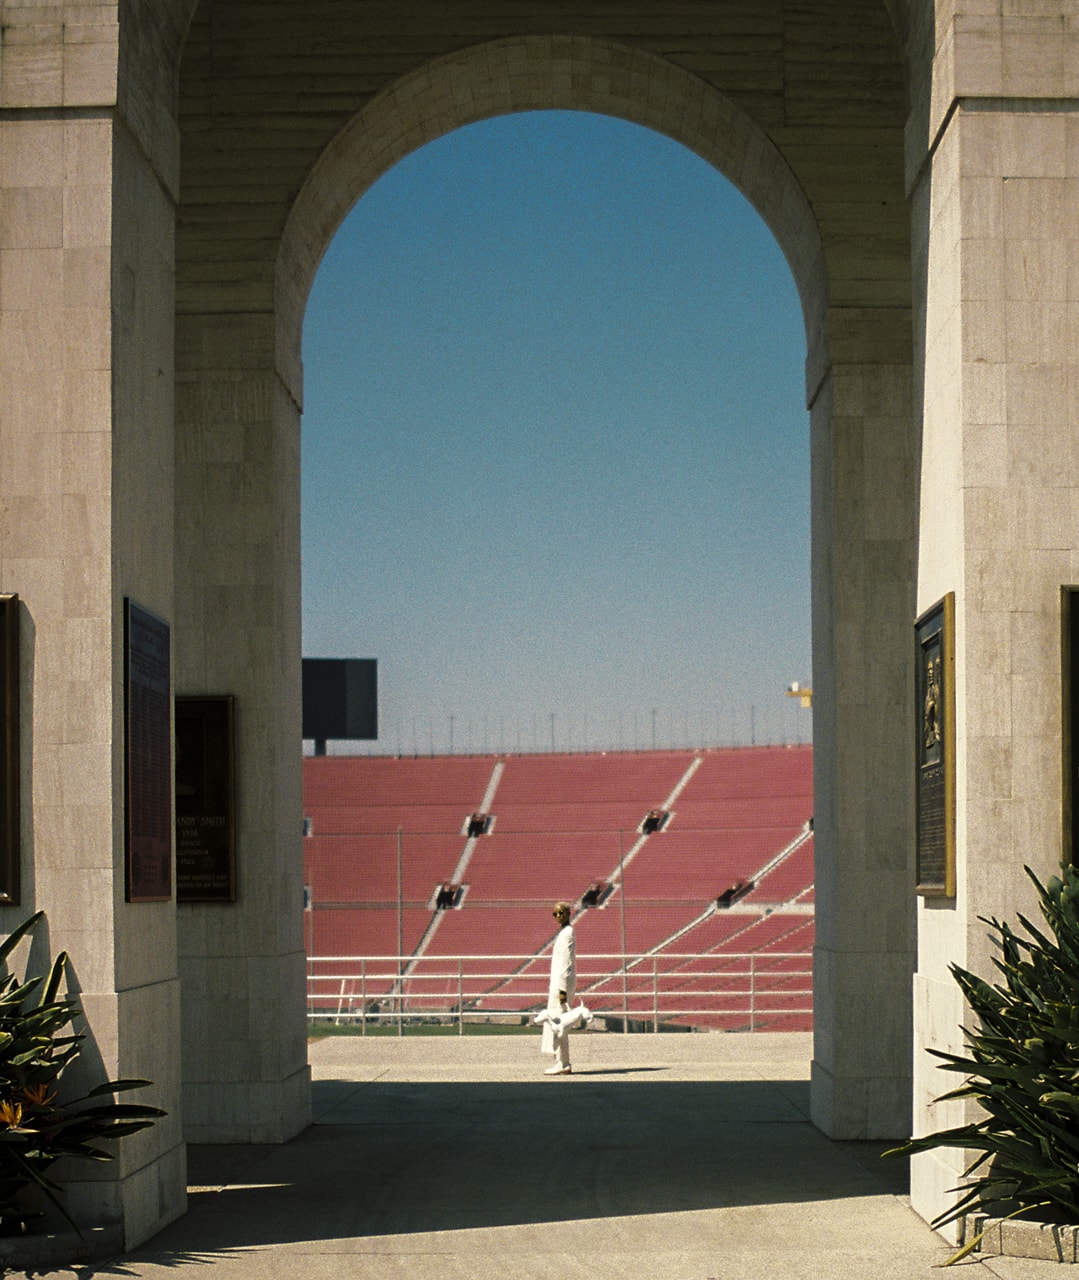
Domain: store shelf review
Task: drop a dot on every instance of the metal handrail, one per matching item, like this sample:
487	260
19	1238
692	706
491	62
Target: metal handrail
652	988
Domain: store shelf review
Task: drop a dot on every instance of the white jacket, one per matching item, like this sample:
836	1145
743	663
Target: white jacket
563	965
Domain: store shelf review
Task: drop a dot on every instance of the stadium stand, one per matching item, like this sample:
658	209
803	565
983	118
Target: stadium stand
703	863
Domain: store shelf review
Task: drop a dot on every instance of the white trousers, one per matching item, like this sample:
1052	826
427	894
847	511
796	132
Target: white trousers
555	1041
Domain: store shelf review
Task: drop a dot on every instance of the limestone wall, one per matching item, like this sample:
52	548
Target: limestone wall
996	208
86	288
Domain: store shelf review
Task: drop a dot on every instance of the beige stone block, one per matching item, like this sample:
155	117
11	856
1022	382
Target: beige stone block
32	155
31	75
87	710
86	334
33	451
90	73
25	521
984	336
87	213
1035	395
1038	270
87	770
985	455
29	342
991	517
980	144
86	462
30	278
87	523
1035	55
86	591
1037	750
86	398
983	275
981	208
983	395
88	153
1036	710
1033	145
1037	332
31	218
1047	518
1038	575
978	57
1039	208
38	580
1071	144
86	275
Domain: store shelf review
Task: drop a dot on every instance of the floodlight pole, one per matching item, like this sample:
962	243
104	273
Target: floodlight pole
622	906
400	942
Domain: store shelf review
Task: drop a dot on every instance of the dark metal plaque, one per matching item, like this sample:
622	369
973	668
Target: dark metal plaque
9	750
935	718
205	808
1069	601
147	755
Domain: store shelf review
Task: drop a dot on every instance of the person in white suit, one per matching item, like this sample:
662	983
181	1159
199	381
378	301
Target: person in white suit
560	992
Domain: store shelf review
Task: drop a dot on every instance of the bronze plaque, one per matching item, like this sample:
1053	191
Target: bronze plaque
9	750
205	808
147	755
935	718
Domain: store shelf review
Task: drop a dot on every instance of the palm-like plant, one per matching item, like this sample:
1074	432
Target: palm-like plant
36	1127
1023	1067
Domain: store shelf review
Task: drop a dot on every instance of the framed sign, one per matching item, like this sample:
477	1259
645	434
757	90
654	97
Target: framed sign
9	750
1069	617
205	800
935	754
147	756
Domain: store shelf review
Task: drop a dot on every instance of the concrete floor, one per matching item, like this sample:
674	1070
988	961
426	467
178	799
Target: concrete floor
677	1157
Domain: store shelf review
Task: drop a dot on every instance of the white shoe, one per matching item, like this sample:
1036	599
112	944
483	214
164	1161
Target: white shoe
557	1070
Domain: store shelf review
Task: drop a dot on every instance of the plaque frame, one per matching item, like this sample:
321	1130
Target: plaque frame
1069	724
10	771
206	797
148	750
934	717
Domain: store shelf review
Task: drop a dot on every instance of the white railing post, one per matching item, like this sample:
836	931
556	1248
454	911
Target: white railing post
752	993
460	996
363	996
655	995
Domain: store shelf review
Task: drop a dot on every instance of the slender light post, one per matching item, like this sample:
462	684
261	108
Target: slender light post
622	905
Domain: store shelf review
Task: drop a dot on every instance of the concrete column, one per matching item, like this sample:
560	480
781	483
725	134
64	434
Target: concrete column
863	483
86	303
996	196
238	604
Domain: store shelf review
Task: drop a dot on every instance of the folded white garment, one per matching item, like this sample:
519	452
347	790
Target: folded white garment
562	1022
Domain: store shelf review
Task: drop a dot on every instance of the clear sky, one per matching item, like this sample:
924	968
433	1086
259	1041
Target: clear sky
555	448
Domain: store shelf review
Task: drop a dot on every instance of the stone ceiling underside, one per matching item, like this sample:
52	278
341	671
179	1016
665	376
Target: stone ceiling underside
266	84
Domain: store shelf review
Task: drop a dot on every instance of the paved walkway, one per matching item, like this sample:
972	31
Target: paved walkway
673	1157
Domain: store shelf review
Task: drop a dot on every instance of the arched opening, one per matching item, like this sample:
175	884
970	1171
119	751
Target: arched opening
858	388
555	448
556	476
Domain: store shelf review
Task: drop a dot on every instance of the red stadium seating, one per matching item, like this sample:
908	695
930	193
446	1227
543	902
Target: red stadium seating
558	824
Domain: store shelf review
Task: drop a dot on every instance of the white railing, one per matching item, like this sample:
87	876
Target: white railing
748	991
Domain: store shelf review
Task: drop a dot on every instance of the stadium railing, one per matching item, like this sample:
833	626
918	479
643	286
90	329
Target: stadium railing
752	991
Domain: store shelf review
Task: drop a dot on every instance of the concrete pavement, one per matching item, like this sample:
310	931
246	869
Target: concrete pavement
672	1157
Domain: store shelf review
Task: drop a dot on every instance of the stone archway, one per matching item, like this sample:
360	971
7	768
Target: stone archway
246	366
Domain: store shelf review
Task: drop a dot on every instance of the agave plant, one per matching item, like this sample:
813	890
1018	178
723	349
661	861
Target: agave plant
37	1125
1023	1067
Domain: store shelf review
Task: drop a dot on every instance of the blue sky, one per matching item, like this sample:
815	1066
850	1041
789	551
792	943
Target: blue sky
555	448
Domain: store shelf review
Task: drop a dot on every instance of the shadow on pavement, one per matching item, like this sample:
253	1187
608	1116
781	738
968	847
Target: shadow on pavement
401	1158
